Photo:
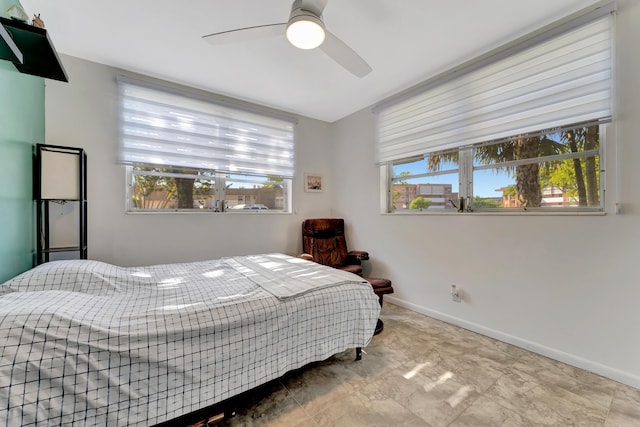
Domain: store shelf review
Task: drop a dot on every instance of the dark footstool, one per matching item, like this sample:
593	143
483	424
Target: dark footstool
380	288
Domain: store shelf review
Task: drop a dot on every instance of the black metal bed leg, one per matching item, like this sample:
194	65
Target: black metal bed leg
358	353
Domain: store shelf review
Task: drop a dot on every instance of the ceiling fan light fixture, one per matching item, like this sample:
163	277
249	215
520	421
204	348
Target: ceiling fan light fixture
305	30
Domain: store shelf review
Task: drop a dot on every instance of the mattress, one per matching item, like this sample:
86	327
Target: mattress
89	343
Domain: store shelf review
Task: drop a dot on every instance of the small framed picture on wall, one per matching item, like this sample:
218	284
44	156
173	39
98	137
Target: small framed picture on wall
313	183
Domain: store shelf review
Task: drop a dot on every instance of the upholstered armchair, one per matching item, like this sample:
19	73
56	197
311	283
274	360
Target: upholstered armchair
323	241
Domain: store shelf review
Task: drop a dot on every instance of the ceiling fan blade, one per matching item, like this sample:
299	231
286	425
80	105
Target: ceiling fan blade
344	55
246	34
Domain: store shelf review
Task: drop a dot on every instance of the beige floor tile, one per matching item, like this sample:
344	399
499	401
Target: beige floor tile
317	381
625	408
545	405
559	375
485	412
442	403
362	410
271	405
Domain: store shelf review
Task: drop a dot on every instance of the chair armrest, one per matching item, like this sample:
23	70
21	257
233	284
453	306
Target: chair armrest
359	255
306	256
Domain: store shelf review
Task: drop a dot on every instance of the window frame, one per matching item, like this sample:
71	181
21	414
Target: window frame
465	172
220	181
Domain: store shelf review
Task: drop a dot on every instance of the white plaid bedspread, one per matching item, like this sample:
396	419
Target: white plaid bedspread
88	343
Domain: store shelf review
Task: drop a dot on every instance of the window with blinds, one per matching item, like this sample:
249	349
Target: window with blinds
519	127
186	151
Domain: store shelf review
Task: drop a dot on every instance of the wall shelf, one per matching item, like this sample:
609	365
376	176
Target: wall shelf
8	48
30	50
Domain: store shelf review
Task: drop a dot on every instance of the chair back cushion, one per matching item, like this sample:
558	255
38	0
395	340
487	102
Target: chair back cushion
324	240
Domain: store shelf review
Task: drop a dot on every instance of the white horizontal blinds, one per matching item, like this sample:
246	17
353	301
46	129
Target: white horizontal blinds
564	80
164	128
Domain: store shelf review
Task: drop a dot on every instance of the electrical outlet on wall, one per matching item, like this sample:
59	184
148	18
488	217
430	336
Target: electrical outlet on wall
455	294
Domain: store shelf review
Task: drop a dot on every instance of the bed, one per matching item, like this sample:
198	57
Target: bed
89	343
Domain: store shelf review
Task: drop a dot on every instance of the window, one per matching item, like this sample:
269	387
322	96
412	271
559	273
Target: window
558	170
422	184
186	152
521	128
155	188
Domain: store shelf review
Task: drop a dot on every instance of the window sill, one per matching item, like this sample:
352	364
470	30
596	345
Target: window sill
501	213
206	212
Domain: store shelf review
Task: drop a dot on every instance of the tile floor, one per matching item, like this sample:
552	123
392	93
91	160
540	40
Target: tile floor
423	372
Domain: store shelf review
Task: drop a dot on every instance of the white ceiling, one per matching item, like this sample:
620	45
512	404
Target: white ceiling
404	41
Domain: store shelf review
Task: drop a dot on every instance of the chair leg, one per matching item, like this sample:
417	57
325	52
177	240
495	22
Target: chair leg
358	353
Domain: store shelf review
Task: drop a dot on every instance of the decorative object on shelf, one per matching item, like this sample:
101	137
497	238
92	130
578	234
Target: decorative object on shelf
37	21
16	11
313	183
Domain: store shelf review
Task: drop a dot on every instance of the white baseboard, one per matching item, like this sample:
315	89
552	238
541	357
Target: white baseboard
561	356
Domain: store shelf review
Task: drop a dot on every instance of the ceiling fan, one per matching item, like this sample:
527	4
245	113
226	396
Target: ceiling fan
305	29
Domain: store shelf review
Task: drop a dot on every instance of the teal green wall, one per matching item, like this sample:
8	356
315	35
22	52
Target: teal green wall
21	127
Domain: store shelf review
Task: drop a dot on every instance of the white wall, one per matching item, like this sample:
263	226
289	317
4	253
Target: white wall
565	286
83	113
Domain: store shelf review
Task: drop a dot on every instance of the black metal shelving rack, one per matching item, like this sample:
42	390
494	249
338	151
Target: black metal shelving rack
44	247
